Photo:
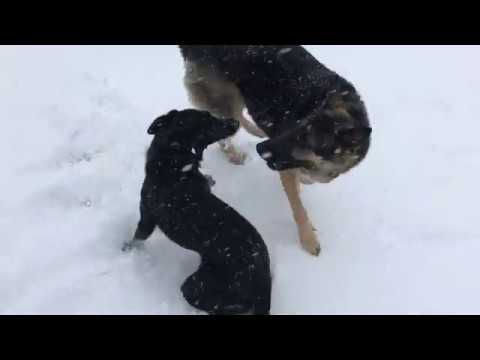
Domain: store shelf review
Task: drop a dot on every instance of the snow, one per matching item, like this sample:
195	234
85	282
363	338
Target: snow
399	233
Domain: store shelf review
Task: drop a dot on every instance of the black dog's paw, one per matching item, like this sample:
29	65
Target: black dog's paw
131	245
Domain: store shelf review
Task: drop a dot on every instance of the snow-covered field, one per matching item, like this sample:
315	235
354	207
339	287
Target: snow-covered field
400	233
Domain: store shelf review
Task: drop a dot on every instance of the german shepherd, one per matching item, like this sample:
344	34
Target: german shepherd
316	122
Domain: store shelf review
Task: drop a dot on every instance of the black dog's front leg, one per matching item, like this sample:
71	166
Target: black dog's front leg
145	228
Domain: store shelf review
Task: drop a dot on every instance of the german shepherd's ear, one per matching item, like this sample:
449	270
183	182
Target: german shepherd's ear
162	123
355	136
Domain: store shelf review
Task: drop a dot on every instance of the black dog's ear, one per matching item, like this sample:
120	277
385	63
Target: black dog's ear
163	122
355	136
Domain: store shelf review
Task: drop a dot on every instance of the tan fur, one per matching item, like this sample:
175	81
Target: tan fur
342	111
306	231
221	98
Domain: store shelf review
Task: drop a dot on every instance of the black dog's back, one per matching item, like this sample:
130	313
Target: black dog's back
229	245
195	219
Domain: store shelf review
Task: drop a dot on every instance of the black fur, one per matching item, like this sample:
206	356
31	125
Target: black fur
298	102
234	275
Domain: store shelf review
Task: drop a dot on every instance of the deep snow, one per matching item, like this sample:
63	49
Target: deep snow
400	233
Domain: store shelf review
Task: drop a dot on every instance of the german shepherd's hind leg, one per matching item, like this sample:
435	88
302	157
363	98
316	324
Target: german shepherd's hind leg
306	231
208	92
220	106
248	125
234	155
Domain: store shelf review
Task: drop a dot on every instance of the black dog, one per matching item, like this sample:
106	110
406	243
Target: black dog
234	275
316	121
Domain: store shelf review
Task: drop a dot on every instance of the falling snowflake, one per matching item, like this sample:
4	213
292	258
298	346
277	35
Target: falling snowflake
284	51
187	168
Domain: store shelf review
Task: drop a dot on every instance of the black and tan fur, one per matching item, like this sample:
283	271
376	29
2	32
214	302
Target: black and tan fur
316	122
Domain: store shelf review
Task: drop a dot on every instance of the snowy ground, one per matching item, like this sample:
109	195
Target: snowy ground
400	233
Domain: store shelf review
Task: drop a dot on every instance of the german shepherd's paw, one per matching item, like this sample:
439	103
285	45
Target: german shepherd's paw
235	156
238	157
309	241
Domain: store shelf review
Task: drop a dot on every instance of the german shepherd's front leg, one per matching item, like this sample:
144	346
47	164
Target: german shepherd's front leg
306	231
